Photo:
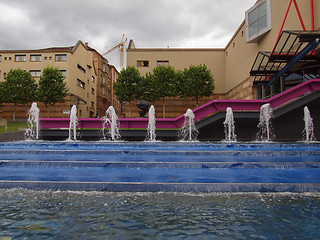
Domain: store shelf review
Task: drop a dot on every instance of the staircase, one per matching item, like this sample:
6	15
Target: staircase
160	166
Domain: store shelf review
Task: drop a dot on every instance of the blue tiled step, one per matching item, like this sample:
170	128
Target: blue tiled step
160	166
108	164
161	175
161	156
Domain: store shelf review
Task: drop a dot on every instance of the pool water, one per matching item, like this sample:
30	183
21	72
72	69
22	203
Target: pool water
28	214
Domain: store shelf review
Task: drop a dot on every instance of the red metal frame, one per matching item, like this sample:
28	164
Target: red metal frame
300	18
312	15
299	15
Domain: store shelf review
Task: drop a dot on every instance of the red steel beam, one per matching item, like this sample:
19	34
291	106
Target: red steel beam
299	15
312	15
282	24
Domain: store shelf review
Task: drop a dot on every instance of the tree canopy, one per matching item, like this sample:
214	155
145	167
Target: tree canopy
19	87
52	88
164	81
196	82
128	86
160	83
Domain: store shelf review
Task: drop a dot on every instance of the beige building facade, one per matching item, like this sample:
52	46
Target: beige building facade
230	66
87	74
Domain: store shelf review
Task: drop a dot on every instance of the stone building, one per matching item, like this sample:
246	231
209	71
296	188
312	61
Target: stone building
89	78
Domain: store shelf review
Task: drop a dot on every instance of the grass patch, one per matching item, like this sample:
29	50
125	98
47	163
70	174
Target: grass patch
13	126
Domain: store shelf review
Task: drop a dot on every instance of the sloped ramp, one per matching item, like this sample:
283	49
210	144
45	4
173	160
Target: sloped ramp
287	122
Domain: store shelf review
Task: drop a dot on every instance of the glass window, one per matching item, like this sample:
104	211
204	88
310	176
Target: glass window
163	63
81	83
63	72
61	57
35	73
20	58
81	68
143	63
35	58
258	20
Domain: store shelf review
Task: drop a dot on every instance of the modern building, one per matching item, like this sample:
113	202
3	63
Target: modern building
276	30
89	78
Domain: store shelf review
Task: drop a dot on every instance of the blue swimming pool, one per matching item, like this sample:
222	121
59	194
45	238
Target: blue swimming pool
161	166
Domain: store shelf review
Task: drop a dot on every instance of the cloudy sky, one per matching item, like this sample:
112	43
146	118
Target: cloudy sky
34	24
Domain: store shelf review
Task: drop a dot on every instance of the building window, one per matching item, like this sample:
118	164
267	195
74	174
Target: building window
258	20
92	104
35	73
81	68
20	58
143	63
93	79
63	73
81	83
61	57
35	58
103	80
92	91
163	63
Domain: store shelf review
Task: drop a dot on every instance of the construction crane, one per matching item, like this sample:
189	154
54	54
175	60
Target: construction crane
120	48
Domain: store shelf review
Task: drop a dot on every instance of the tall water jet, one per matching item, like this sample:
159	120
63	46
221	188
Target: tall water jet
32	132
151	131
73	123
265	129
229	128
189	130
308	126
111	121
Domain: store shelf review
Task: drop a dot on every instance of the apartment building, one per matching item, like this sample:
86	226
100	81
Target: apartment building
86	71
232	66
106	76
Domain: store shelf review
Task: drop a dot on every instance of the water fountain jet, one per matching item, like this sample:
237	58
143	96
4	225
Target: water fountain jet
73	123
189	131
265	129
308	129
111	121
32	132
229	128
151	131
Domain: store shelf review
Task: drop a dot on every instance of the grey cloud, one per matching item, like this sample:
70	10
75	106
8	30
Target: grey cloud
151	23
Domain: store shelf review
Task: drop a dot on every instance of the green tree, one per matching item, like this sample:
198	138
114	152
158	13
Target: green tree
196	82
52	87
128	86
19	87
159	84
